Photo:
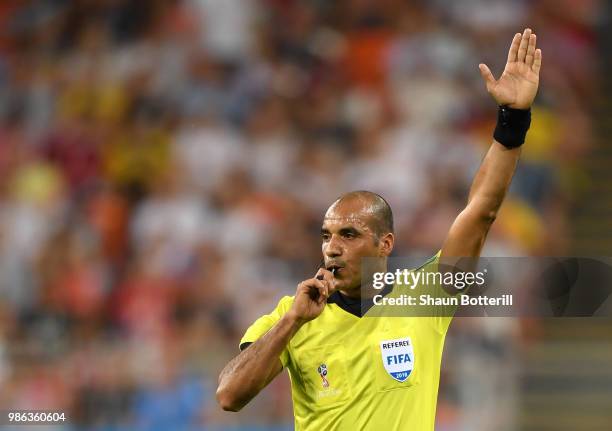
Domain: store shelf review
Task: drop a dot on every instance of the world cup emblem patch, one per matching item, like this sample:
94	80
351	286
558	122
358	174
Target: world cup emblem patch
398	357
323	373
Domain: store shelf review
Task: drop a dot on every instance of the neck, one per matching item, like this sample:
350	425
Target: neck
352	293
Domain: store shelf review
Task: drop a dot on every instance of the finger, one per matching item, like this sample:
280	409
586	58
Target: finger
322	289
514	46
326	288
327	275
313	288
522	51
530	50
486	74
322	274
323	277
537	61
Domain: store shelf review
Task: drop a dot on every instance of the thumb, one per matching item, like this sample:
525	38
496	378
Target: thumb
486	74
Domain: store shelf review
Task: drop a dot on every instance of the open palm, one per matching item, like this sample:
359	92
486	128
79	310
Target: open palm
518	84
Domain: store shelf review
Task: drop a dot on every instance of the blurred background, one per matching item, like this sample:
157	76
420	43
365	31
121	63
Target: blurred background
165	166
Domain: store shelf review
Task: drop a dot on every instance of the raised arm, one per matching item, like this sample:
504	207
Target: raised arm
514	93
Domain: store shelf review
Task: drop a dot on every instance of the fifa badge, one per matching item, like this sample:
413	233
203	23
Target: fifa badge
398	357
323	372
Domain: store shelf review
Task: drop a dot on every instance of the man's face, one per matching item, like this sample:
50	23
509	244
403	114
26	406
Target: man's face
348	236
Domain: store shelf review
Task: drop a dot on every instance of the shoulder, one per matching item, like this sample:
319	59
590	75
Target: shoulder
431	261
263	324
285	304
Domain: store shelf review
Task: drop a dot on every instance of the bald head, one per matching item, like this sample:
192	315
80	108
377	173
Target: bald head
370	205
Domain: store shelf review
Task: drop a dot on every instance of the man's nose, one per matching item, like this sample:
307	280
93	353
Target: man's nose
333	248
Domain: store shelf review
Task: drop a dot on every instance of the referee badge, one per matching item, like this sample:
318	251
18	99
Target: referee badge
398	357
323	372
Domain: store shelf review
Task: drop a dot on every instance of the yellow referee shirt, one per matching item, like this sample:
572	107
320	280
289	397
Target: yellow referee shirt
361	373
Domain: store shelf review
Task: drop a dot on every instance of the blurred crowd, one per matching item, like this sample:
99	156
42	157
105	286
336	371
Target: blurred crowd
165	166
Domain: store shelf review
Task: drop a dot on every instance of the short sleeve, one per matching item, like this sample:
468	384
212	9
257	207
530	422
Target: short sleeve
265	323
442	315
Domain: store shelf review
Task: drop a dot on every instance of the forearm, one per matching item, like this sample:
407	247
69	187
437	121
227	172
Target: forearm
249	372
493	179
467	234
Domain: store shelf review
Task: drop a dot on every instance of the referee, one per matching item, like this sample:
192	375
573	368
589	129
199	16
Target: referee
348	372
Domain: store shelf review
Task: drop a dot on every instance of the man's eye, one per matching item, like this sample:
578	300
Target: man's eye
349	235
325	237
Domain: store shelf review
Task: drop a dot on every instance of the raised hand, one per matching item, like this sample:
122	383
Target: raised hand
518	85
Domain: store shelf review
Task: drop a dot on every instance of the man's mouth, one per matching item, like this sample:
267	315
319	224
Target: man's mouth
335	268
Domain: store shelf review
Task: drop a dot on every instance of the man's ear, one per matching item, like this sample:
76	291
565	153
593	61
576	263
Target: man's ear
385	244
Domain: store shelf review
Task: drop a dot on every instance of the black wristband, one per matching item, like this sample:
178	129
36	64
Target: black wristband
512	126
